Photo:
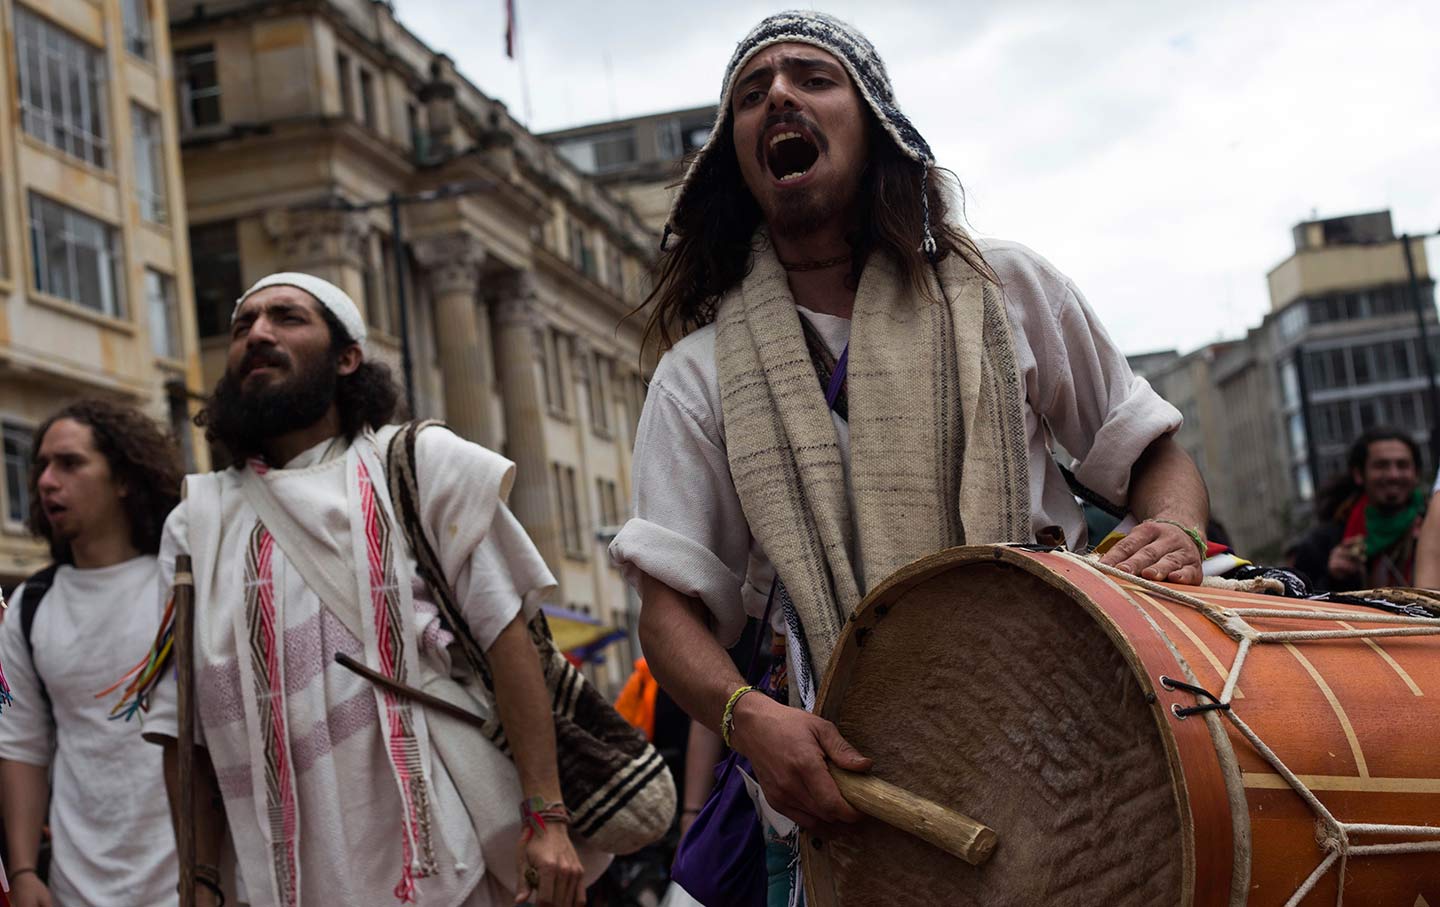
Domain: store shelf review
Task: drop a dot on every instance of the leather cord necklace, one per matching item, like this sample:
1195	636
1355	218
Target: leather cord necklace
820	265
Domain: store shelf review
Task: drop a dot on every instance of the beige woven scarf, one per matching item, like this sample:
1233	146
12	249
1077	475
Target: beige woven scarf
937	434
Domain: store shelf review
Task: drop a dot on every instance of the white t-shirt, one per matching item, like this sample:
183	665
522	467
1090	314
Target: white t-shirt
690	532
113	845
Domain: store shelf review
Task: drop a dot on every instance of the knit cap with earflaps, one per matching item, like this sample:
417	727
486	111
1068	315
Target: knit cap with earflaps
855	52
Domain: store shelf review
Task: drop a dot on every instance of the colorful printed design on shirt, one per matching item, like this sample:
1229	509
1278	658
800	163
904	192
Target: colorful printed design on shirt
266	652
404	748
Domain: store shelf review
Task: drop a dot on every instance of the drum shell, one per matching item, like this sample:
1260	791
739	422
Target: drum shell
1343	714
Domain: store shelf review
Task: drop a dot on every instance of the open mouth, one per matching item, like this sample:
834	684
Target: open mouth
790	154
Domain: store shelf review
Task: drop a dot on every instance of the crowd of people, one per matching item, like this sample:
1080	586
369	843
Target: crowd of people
849	382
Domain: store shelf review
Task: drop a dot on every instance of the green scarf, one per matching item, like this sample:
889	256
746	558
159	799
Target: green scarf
1383	531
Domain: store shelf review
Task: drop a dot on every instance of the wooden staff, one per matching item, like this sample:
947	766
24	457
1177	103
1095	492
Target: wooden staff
183	651
948	830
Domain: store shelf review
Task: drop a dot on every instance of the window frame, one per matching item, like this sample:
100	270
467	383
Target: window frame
113	256
139	29
149	149
185	58
84	76
10	424
175	344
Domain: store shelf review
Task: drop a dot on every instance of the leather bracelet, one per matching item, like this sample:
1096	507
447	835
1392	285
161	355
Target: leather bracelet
22	870
727	720
1193	533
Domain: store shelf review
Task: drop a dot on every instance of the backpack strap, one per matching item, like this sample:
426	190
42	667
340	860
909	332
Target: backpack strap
404	482
35	589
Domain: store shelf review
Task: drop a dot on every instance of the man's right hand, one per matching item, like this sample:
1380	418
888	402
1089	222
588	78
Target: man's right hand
1347	559
27	890
788	749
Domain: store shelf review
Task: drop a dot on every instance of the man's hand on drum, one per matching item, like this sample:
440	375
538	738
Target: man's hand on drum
788	750
1157	550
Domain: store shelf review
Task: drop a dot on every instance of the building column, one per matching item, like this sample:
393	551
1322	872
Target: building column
462	333
518	325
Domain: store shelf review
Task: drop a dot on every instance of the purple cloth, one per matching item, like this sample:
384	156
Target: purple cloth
721	860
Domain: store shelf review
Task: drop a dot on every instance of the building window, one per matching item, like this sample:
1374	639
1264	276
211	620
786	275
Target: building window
198	79
570	520
419	141
62	88
581	255
347	95
601	153
556	348
215	263
76	257
135	17
164	315
17	441
149	143
367	99
600	395
608	497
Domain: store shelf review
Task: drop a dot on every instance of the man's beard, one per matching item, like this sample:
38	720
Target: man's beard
243	420
803	212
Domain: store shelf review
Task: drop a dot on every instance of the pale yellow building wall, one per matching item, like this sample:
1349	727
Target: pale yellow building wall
1342	267
53	351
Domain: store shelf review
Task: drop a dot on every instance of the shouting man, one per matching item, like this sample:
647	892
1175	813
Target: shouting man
813	241
103	478
336	790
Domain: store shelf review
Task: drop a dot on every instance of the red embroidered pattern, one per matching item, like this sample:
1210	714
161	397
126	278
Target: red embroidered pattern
404	748
265	655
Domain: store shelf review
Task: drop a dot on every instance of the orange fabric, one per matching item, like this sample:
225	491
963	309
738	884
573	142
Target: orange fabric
637	700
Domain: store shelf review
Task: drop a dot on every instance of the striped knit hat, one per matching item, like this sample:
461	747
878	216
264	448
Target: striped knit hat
843	41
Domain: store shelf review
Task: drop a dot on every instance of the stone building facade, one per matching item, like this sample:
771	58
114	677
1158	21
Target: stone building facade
1270	417
638	159
93	261
302	121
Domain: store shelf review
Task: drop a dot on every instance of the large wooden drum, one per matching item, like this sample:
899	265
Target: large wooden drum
1057	705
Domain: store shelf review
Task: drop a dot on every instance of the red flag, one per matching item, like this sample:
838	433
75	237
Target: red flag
510	29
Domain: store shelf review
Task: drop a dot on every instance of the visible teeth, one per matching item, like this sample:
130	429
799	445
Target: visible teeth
790	176
782	136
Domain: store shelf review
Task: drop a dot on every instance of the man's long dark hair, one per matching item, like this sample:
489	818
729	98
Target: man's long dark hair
142	457
715	233
366	398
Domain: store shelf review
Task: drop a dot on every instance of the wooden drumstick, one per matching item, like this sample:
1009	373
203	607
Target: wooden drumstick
948	830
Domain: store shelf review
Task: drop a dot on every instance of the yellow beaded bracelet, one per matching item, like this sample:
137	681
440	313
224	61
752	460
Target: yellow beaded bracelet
727	721
1195	537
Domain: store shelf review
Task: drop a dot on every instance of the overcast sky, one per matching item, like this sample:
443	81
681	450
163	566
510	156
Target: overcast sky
1157	152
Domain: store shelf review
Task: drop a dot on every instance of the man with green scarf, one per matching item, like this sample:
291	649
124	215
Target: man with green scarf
1370	540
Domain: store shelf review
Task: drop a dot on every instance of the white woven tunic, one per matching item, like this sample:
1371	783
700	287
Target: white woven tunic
690	532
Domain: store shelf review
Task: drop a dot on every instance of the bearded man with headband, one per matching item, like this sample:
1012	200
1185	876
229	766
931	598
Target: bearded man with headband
336	790
813	257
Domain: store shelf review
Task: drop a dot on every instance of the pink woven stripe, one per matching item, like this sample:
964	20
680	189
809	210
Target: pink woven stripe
265	590
404	755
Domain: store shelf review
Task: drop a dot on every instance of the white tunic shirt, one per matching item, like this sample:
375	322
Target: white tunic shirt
109	817
349	809
690	532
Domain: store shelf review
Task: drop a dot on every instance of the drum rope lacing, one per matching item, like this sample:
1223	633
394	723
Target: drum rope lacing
1335	834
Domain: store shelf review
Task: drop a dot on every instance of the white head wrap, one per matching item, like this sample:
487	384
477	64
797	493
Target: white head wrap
336	300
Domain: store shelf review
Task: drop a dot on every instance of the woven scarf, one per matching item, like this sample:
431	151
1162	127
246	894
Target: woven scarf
937	433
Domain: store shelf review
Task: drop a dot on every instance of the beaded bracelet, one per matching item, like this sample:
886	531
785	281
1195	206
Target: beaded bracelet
1193	533
727	720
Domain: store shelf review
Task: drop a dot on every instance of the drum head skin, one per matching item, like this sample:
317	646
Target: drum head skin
988	688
